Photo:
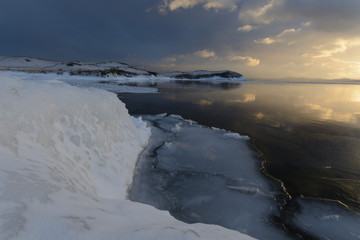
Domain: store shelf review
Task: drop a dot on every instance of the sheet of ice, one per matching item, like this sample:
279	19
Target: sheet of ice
209	175
327	220
236	136
205	175
67	157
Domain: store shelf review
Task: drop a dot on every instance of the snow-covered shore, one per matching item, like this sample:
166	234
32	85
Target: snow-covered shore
67	157
116	71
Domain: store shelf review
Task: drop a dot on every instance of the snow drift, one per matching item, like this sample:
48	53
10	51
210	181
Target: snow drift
67	157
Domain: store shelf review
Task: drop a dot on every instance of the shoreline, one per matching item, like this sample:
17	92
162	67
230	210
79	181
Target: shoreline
67	166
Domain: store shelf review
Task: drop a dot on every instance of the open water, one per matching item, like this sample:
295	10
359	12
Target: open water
307	137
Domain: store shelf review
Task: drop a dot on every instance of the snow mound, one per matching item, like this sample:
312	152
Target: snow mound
67	157
87	133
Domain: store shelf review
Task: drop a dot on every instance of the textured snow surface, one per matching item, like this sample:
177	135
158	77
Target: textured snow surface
67	157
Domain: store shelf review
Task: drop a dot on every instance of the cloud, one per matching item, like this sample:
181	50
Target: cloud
175	4
355	65
324	15
312	38
266	41
286	32
170	59
210	60
205	53
172	5
251	62
340	46
300	38
246	28
259	14
221	4
285	36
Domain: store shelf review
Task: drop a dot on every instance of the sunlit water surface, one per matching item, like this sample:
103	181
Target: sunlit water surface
308	136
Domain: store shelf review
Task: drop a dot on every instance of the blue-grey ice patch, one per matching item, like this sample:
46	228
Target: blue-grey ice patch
206	175
327	220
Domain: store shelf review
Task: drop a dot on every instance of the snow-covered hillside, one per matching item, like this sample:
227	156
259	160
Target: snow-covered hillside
67	157
107	69
74	68
203	74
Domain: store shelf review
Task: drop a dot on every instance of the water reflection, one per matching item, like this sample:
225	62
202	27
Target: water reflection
320	102
246	98
203	102
309	134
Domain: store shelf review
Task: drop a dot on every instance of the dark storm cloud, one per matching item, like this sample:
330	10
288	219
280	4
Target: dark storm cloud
92	29
254	37
85	29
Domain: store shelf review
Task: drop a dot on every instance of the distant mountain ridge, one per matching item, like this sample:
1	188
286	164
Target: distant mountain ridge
200	74
102	69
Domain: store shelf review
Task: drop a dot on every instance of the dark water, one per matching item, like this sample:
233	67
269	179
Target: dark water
308	134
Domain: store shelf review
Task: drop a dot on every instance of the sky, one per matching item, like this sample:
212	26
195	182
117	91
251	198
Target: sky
258	38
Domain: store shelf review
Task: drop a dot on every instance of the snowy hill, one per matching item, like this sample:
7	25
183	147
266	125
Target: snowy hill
106	69
203	74
103	69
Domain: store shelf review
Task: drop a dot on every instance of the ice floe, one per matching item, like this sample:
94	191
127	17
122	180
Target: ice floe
206	175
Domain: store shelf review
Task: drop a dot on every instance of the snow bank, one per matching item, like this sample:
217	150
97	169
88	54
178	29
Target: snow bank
67	157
